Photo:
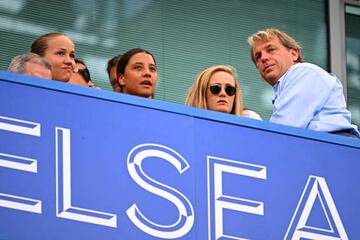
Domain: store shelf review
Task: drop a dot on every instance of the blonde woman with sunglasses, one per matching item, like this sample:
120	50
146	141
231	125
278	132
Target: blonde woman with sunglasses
216	88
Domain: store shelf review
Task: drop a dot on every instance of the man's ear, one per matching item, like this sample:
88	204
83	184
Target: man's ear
295	54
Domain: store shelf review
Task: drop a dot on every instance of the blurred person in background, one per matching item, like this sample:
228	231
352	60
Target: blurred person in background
81	75
31	64
112	73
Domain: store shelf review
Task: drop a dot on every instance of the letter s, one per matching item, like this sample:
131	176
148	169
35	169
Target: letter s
185	220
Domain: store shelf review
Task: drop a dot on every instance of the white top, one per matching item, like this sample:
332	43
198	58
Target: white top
251	114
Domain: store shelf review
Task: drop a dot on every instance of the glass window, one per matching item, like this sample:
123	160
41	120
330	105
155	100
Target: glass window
185	36
352	23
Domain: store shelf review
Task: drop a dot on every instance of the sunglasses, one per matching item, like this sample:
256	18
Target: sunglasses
84	72
216	89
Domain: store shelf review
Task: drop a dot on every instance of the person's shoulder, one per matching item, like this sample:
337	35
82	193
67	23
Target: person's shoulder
251	114
308	67
308	70
313	73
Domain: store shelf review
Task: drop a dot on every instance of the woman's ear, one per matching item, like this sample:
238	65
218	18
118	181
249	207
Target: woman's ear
121	80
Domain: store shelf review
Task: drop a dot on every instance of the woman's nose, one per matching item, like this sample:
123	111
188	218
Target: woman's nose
147	71
222	92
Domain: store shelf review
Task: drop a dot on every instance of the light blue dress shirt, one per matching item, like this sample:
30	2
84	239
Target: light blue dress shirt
307	96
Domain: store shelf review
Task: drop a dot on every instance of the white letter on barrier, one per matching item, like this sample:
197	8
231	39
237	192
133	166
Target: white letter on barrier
316	187
19	163
64	209
219	201
186	213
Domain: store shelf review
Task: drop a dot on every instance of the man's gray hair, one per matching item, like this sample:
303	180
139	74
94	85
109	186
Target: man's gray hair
269	33
18	63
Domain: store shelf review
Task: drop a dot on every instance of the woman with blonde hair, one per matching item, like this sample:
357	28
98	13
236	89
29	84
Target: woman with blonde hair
216	88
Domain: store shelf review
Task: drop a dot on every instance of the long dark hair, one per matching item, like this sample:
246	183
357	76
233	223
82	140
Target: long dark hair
124	60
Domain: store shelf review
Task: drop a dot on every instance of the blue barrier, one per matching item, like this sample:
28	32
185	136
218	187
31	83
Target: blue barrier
80	163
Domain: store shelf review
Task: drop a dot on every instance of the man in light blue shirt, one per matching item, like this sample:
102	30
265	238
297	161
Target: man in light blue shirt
306	96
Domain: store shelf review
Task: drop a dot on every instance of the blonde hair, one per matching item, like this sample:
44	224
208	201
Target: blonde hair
196	96
270	33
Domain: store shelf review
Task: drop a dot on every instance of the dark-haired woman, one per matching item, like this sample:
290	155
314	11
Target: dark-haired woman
137	73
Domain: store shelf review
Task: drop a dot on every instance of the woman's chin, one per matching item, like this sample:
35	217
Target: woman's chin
223	109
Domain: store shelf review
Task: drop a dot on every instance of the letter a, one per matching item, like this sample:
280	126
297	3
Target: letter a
316	188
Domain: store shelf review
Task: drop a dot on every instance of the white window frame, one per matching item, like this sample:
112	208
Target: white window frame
337	38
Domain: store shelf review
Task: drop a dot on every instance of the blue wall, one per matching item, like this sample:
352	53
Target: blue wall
80	163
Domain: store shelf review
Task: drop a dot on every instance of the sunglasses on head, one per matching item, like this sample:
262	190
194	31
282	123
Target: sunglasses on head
84	72
216	89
